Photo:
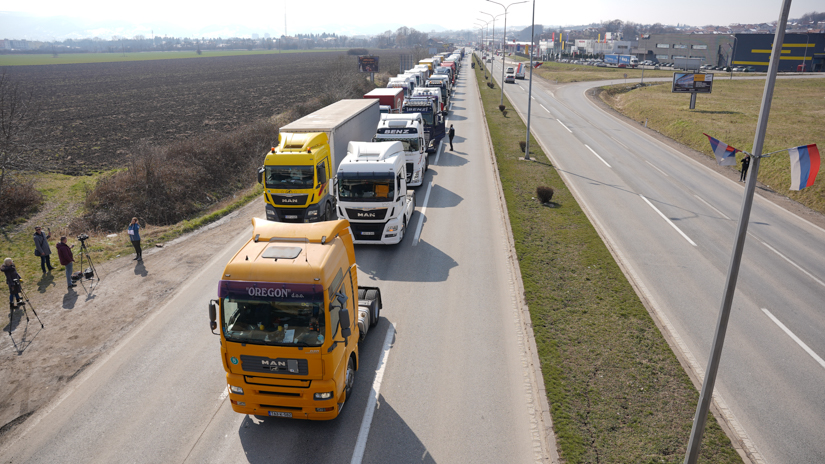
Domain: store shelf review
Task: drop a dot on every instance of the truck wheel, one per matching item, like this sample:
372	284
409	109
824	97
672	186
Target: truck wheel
361	294
373	296
328	213
350	379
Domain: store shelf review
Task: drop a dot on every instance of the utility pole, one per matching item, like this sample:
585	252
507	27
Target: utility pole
503	49
706	394
530	87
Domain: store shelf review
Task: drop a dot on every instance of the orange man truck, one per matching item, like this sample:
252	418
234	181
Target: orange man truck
290	315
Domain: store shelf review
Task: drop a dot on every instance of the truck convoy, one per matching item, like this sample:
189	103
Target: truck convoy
372	192
627	60
296	173
290	315
409	130
390	99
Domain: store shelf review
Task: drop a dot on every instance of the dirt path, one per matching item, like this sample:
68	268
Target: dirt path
80	326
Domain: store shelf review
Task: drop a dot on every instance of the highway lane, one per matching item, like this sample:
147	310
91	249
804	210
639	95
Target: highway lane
456	385
672	222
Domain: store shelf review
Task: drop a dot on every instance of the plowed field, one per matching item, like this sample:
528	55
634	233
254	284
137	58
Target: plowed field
94	113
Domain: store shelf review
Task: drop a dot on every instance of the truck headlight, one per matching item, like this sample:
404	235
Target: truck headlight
312	213
393	228
236	390
323	396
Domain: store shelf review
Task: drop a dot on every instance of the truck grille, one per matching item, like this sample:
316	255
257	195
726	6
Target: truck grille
288	199
280	366
358	214
363	231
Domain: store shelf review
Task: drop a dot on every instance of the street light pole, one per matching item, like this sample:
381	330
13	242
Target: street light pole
807	40
733	55
494	27
503	50
530	87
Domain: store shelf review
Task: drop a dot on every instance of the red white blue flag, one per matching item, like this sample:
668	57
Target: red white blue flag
804	166
725	154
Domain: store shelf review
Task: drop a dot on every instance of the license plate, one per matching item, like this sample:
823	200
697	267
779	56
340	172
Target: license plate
291	216
367	233
280	414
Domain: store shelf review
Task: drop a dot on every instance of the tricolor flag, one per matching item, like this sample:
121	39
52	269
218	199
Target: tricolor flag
537	64
725	154
804	166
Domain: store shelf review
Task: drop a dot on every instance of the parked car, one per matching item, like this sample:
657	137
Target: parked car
621	65
750	69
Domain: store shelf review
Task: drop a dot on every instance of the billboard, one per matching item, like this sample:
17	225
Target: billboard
692	83
367	64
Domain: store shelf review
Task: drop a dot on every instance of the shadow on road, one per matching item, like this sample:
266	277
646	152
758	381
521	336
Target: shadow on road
426	264
449	158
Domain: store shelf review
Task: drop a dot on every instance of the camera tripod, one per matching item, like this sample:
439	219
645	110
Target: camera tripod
84	254
23	305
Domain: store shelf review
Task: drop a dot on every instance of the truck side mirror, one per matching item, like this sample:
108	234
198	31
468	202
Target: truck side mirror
343	316
261	175
213	315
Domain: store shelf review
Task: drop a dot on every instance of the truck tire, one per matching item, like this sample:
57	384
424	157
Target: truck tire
328	213
350	379
361	294
376	305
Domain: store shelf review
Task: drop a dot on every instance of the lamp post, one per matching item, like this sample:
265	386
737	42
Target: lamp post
487	26
530	87
494	28
807	40
503	38
733	55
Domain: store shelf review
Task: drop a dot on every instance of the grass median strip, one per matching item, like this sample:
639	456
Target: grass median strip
617	392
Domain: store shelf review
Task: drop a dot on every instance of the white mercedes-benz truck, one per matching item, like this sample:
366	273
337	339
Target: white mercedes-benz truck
372	193
409	130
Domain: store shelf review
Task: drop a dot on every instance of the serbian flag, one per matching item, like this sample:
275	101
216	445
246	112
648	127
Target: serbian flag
804	166
725	154
537	64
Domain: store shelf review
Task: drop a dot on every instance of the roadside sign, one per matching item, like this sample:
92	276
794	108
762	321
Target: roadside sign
692	83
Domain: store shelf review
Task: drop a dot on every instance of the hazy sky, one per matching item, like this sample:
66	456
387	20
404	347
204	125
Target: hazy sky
268	15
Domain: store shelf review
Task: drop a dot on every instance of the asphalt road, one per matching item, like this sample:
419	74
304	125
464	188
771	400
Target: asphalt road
455	385
672	223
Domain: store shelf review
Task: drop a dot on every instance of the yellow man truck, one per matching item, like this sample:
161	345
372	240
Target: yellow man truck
296	174
290	315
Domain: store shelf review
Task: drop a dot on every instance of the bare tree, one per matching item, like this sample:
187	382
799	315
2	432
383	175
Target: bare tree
18	114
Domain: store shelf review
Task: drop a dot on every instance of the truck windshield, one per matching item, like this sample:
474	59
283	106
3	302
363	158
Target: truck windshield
273	322
289	177
410	144
366	186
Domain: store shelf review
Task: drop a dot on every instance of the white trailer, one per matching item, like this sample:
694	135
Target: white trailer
409	130
371	190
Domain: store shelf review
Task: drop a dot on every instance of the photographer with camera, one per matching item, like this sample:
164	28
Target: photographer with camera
13	281
41	248
134	237
64	252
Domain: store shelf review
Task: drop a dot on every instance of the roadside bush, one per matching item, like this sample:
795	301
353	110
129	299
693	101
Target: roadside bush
18	199
523	145
544	194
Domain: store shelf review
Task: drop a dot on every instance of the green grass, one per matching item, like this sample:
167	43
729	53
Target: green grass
73	58
730	114
617	393
64	197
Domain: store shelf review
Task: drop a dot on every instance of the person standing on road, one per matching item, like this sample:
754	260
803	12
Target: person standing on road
134	236
41	248
746	162
64	253
13	281
451	134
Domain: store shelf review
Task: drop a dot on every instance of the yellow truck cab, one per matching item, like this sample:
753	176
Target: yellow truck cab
296	174
290	315
428	62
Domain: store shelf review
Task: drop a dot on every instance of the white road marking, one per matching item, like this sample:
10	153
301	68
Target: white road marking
366	422
795	338
224	394
668	220
792	263
597	155
440	146
522	88
711	207
451	107
532	97
421	215
562	125
545	109
654	167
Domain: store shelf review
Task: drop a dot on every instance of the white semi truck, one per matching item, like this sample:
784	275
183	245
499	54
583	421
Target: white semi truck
372	192
409	130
